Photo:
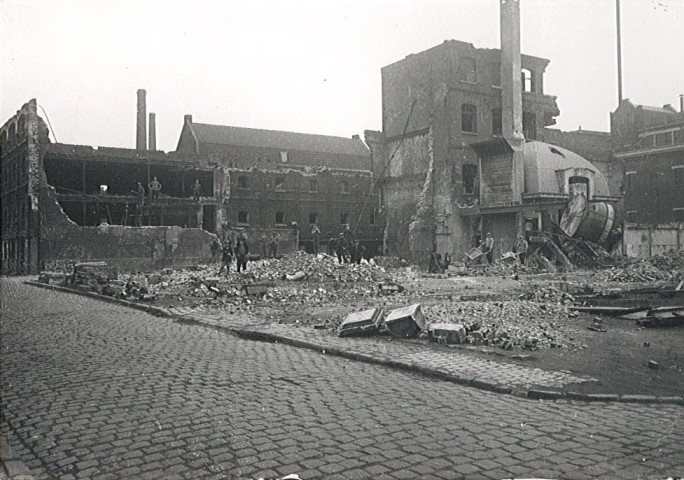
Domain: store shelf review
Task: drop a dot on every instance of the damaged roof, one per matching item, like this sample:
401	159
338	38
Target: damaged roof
277	140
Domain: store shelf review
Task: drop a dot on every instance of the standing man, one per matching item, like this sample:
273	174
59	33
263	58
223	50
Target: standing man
155	188
241	251
264	245
196	190
140	194
226	257
488	249
315	237
342	249
520	248
273	245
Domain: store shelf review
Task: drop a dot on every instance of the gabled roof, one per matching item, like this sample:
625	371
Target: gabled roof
252	137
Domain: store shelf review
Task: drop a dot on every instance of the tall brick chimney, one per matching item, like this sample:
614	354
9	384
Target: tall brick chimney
511	95
511	70
152	144
141	130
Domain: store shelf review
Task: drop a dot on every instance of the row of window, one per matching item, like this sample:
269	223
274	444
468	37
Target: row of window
280	184
280	218
677	176
469	121
468	73
14	134
662	139
13	173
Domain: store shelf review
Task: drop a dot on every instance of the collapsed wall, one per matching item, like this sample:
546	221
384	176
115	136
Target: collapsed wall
63	242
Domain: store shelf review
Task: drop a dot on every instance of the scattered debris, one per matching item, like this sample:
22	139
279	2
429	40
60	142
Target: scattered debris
447	333
362	323
406	322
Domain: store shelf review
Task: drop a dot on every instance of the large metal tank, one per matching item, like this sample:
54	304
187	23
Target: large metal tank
590	221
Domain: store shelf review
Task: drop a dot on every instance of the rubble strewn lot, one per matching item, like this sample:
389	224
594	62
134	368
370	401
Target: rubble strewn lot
505	310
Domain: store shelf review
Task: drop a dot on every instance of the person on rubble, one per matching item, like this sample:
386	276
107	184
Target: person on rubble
520	248
359	252
226	256
215	249
196	190
342	249
241	251
264	245
155	187
315	237
488	247
273	245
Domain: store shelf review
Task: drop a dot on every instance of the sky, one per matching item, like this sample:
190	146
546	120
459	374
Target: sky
309	66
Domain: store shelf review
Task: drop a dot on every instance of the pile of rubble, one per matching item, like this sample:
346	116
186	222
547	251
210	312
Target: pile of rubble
509	324
668	267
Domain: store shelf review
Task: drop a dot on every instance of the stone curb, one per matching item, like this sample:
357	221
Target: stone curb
474	382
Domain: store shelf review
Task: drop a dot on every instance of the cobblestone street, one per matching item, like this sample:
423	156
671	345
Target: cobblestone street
96	390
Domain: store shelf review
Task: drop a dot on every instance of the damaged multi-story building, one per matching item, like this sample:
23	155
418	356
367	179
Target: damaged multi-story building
65	203
462	148
649	146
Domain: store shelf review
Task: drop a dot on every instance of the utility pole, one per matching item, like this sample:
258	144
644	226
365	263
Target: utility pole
619	52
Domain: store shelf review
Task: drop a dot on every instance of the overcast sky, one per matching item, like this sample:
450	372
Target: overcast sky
306	66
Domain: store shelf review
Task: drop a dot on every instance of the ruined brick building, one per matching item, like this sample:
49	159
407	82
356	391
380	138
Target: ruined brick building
277	178
63	203
462	148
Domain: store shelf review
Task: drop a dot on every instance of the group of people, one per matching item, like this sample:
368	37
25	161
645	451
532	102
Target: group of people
155	186
229	251
520	247
348	250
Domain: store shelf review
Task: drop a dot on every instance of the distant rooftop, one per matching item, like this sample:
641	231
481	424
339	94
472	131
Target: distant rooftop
278	140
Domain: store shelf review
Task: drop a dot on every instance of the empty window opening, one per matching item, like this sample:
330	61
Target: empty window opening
313	185
469	172
371	218
313	218
662	139
527	80
468	118
497	122
243	216
496	74
279	183
529	125
344	186
678	174
280	218
468	72
344	218
629	179
243	182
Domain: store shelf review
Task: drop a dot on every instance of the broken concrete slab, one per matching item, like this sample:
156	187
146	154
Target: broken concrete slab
447	333
363	323
255	289
406	322
390	287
